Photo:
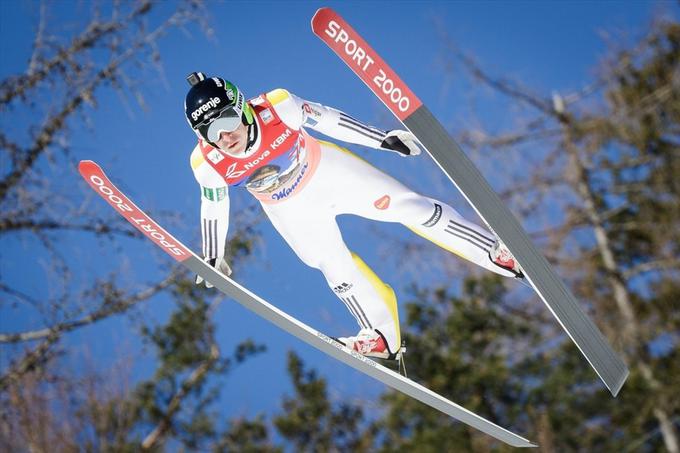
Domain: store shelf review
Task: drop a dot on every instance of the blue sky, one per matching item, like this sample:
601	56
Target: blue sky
264	45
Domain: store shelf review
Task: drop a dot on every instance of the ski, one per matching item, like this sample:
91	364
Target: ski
332	29
101	184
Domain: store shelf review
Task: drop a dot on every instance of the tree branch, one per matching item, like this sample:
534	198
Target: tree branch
665	264
97	227
173	407
111	305
56	122
29	362
18	86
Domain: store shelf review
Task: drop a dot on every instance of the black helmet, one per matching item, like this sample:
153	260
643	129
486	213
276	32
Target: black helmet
214	105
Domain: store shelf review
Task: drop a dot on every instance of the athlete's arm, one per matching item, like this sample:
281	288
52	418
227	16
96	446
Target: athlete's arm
214	212
298	112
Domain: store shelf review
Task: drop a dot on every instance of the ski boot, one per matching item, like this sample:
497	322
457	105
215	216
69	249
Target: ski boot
368	342
371	343
501	256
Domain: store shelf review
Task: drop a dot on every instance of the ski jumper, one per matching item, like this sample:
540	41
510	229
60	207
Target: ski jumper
303	183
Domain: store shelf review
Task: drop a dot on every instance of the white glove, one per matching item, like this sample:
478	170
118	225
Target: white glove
402	142
218	263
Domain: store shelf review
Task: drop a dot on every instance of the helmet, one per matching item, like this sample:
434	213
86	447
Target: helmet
214	105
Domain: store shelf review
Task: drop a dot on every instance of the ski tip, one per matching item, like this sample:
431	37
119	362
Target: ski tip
324	10
86	165
520	442
321	15
615	389
88	168
517	441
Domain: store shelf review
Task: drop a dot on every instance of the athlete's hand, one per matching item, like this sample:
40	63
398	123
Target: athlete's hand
402	142
219	264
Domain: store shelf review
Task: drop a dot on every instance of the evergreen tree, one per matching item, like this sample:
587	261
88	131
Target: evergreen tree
311	423
462	347
613	172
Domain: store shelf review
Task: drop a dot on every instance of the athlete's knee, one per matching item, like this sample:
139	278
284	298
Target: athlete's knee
310	258
419	210
335	267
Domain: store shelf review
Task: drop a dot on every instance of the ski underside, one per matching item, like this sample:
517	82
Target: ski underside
332	29
101	184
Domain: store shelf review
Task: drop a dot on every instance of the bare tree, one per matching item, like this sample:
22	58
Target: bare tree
74	69
611	169
115	47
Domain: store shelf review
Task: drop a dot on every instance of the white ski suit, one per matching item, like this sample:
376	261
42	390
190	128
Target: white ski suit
303	183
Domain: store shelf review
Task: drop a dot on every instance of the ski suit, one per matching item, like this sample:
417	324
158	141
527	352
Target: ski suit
303	183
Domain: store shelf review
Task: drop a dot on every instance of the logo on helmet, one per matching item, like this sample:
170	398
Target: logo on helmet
211	104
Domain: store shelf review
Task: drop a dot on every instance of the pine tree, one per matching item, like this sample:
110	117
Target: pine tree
311	423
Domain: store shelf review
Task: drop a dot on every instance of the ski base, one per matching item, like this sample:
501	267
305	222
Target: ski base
100	183
353	50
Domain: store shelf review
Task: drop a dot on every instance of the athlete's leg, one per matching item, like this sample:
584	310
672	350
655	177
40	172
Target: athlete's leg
309	227
370	193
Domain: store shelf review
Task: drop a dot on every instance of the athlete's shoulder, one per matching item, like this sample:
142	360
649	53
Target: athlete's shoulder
204	173
278	96
287	106
196	159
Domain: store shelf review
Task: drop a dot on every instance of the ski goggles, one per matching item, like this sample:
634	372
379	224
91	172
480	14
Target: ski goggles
227	121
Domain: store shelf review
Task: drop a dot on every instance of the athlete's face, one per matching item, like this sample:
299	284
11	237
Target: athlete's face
234	142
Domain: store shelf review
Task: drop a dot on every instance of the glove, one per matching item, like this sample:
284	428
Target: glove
221	265
402	142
